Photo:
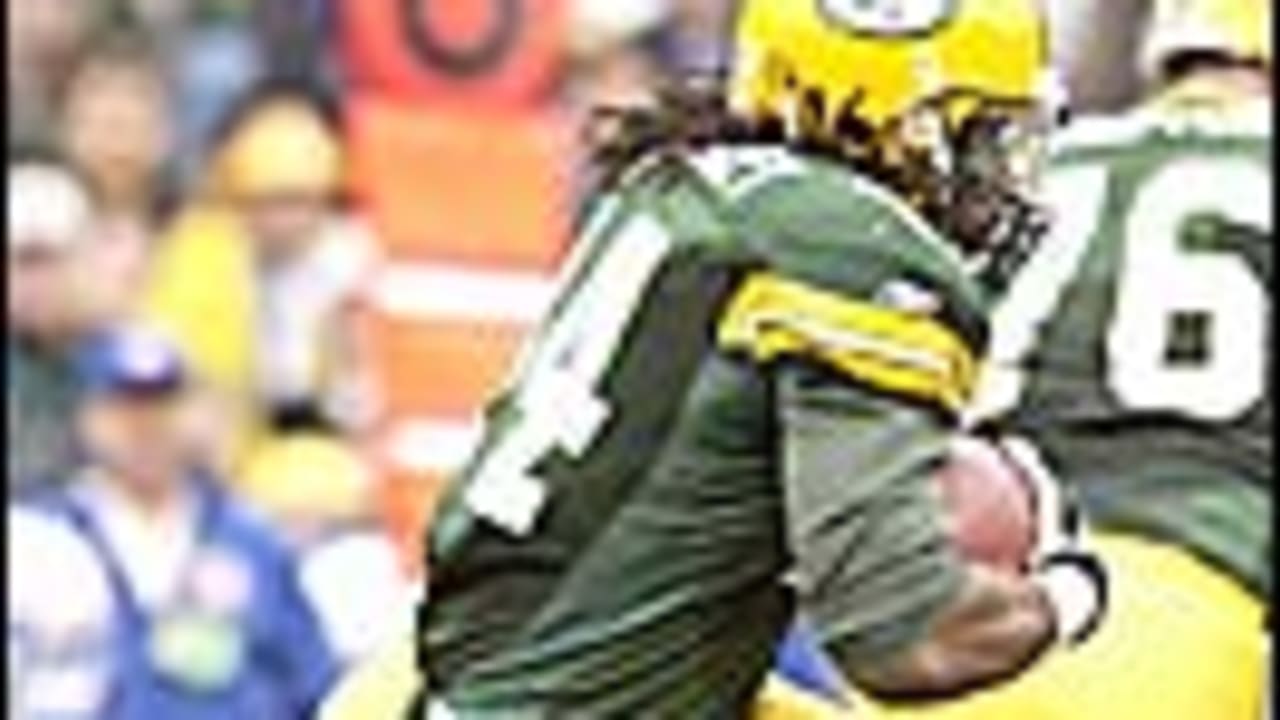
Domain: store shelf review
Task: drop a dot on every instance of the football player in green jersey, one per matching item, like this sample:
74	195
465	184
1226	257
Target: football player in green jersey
754	365
1134	349
733	410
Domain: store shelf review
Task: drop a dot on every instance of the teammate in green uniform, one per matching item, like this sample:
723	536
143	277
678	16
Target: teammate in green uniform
1148	387
755	364
733	410
1134	350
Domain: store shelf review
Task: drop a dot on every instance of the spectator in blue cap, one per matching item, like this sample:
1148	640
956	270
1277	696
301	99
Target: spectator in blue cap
211	620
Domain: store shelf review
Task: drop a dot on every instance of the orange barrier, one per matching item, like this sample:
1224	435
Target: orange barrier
478	52
472	182
439	368
462	186
407	502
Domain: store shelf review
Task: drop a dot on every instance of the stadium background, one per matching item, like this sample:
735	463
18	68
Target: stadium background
462	165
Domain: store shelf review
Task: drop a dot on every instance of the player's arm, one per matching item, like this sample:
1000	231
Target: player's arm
901	613
992	627
866	398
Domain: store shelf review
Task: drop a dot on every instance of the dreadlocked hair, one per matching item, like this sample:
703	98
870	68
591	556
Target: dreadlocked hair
683	117
693	113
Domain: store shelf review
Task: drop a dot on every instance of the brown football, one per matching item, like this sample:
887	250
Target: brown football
989	505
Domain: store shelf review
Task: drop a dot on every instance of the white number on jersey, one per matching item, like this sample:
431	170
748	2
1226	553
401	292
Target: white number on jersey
1036	291
1159	280
557	403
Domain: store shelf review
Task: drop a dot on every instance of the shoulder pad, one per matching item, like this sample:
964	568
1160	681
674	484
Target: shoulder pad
742	173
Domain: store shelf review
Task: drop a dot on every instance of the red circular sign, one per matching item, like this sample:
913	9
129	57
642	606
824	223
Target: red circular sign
494	52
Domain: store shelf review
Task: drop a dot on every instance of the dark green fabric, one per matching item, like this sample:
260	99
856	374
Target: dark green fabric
818	223
722	495
871	562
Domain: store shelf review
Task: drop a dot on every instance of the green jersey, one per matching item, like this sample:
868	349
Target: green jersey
730	414
1136	347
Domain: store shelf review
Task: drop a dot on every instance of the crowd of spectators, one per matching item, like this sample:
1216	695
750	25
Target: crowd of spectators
193	524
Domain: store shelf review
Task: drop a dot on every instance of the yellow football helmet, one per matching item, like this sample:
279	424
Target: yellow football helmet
1239	29
814	64
946	101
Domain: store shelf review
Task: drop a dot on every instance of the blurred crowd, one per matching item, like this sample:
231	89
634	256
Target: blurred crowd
192	519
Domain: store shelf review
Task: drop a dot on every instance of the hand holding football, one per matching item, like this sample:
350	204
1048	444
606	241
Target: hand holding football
989	505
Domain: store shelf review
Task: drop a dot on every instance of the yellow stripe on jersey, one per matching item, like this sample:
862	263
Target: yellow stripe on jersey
892	350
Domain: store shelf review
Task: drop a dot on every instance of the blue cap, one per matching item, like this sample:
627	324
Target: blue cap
131	361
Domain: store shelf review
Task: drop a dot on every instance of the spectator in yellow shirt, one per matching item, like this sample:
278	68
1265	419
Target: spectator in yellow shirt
260	280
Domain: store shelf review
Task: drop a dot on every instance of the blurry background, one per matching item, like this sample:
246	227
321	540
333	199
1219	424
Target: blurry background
346	213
